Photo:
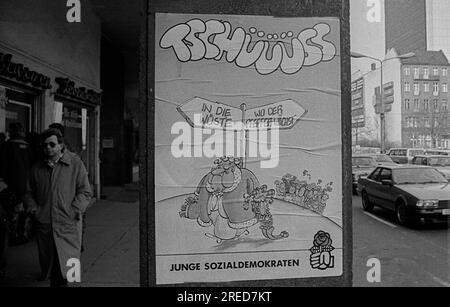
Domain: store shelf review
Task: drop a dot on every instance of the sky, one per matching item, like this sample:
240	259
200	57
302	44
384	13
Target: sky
367	34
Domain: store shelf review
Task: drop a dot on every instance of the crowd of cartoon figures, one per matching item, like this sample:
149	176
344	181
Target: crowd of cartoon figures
231	199
304	193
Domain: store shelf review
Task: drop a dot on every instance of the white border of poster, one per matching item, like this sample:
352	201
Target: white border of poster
248	151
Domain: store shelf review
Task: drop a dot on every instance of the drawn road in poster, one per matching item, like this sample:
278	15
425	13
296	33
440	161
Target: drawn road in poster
302	224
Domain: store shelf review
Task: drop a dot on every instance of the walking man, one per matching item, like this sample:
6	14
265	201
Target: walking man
59	194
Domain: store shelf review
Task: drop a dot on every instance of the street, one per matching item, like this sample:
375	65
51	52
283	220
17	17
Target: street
412	257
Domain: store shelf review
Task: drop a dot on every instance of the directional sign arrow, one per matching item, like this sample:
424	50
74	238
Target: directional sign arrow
199	112
282	115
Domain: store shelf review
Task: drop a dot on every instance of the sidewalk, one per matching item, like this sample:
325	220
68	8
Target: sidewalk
111	256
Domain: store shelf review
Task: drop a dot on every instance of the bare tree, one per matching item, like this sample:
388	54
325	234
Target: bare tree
437	123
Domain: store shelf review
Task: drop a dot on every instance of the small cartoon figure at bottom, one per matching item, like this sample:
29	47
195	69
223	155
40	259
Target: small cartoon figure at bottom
225	199
321	257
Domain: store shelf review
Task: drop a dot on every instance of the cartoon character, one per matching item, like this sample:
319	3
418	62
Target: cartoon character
220	200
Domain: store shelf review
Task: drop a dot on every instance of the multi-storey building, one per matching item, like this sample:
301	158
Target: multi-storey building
425	112
417	109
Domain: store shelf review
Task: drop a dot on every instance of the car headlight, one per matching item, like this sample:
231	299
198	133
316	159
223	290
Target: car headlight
428	204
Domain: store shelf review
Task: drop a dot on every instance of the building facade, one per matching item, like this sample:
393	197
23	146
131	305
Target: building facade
425	115
416	102
50	72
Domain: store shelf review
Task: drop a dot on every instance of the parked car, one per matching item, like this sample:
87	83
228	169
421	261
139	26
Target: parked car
441	163
362	166
404	155
411	191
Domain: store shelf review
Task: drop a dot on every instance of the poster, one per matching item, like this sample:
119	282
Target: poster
248	150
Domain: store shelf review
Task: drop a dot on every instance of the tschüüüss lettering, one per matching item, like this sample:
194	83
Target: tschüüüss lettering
197	40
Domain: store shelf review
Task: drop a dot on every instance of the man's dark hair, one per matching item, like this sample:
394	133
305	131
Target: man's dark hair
57	126
16	130
52	132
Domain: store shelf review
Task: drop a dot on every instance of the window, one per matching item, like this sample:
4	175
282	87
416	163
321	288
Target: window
416	104
426	122
444	105
413	141
428	141
416	88
414	122
416	72
435	88
407	71
408	122
445	72
375	175
435	104
386	174
407	104
407	87
426	72
435	71
426	104
426	87
444	87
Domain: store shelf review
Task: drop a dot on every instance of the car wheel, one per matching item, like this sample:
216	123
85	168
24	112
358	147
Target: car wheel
367	205
402	215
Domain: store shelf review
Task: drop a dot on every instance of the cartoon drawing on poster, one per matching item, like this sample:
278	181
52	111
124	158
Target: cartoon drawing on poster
247	148
231	209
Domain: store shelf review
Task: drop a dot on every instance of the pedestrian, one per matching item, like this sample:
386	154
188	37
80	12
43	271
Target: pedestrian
61	129
59	193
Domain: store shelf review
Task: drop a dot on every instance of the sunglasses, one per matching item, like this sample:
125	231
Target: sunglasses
51	144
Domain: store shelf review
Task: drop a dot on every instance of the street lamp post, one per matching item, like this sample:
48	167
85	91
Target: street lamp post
382	106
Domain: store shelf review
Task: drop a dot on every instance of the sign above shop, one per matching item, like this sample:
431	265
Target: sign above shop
21	73
66	87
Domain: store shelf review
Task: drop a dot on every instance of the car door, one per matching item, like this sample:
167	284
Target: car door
371	187
385	192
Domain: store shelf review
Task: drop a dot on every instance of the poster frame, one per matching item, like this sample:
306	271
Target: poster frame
280	8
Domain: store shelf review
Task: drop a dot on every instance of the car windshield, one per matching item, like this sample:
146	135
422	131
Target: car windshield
363	161
438	161
383	158
417	176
